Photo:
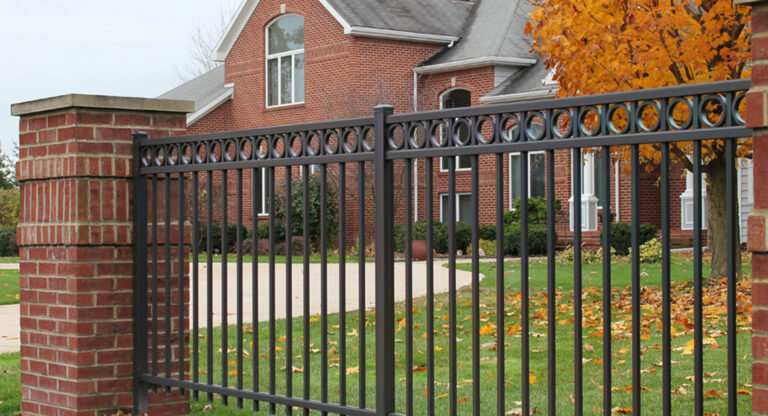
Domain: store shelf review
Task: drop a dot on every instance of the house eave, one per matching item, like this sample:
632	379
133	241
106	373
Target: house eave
521	96
399	35
236	26
212	105
472	63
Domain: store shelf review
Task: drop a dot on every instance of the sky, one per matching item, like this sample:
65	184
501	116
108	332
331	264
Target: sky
129	48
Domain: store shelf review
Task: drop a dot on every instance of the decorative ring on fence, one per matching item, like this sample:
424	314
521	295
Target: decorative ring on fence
244	148
437	131
186	154
331	141
146	156
567	121
583	118
639	116
687	102
735	104
261	147
510	123
417	135
612	109
201	153
296	145
703	114
368	145
213	151
395	137
229	150
530	131
279	145
480	124
458	140
350	140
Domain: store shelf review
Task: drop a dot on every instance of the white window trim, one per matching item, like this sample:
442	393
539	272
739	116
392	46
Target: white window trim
264	191
447	195
441	101
511	200
278	56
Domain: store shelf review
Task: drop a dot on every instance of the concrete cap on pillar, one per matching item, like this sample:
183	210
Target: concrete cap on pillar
101	102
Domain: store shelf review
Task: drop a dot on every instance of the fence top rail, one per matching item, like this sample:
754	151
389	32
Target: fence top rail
706	88
613	119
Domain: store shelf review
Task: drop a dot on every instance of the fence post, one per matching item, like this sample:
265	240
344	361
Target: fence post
385	278
757	118
140	392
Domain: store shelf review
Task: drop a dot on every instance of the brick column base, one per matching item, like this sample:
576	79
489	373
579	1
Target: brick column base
757	118
75	237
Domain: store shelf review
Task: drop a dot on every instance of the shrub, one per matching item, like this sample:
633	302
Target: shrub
216	231
488	232
9	207
8	247
399	238
537	211
263	231
621	236
537	239
463	236
567	256
297	210
488	246
650	251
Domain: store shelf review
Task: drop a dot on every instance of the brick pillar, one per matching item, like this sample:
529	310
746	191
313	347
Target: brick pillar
757	239
75	238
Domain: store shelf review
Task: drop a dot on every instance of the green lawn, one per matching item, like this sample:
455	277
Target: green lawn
10	385
682	369
9	259
9	287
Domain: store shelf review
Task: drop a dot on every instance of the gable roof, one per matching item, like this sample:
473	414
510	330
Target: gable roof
207	91
433	21
526	83
494	36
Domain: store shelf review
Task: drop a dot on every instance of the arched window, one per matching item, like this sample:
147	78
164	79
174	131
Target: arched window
456	98
285	61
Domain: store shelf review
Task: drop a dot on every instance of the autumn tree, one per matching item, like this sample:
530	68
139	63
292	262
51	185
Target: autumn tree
599	46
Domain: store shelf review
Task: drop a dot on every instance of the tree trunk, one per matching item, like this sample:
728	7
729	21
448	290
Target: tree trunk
718	236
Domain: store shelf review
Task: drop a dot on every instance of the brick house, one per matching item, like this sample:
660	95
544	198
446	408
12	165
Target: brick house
295	61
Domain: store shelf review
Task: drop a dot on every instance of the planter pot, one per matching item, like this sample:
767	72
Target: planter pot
419	249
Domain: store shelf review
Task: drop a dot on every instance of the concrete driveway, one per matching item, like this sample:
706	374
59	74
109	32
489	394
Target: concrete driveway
419	288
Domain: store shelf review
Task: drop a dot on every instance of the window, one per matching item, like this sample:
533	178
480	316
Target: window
285	61
457	98
536	176
463	207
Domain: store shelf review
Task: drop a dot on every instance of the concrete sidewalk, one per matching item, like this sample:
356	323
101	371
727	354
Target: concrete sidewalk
297	282
10	314
10	318
10	328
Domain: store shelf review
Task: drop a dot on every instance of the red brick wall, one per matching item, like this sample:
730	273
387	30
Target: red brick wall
76	273
220	119
757	118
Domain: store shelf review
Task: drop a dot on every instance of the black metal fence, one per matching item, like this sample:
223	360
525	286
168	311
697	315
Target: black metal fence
337	354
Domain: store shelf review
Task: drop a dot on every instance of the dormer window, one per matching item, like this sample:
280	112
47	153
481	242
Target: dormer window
285	61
